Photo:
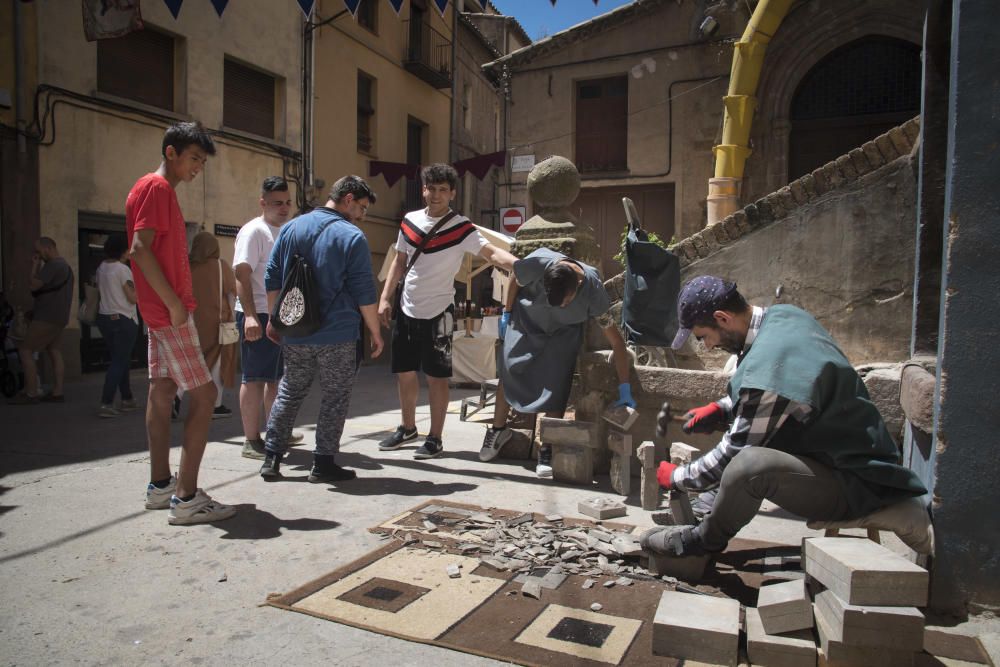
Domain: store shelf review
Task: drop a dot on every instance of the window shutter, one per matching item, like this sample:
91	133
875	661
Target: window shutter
138	66
248	100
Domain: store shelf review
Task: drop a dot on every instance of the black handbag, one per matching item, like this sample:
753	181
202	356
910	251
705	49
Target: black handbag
297	310
397	307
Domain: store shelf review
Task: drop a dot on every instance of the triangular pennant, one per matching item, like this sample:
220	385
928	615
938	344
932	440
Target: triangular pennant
553	2
174	6
397	5
441	5
352	6
307	6
220	6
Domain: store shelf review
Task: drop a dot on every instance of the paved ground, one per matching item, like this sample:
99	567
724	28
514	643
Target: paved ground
89	576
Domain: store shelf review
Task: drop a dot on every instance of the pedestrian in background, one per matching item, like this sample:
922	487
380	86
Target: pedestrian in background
51	283
118	322
214	286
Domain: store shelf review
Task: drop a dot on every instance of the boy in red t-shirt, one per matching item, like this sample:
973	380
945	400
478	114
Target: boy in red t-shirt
158	238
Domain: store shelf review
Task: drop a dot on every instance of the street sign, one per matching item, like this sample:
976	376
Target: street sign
522	162
512	218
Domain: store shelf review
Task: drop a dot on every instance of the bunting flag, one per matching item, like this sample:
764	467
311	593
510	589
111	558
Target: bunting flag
307	6
104	22
393	171
352	6
220	6
174	6
481	164
441	6
397	5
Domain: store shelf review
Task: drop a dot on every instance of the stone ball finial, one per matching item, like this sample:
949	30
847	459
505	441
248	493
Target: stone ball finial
554	183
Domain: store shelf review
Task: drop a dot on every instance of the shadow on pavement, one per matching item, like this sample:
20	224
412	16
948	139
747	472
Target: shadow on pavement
251	523
398	486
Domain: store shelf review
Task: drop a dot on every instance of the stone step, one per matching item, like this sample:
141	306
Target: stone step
697	627
862	572
898	628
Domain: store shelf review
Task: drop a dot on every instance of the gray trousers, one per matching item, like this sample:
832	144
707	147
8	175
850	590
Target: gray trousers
797	484
337	366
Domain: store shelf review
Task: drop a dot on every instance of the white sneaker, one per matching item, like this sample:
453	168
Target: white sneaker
159	499
543	471
493	442
200	509
107	412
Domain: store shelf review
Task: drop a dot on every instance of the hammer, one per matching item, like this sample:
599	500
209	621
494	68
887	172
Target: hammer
680	503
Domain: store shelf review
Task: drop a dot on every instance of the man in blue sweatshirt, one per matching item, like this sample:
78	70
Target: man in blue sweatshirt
338	253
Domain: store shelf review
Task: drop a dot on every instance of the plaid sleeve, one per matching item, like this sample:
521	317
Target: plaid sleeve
757	417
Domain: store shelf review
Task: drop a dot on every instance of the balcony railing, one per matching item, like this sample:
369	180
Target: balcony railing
428	54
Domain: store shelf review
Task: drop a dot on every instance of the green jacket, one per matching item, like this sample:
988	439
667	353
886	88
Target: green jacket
794	357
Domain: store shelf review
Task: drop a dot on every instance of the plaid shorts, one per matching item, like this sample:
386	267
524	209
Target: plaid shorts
175	353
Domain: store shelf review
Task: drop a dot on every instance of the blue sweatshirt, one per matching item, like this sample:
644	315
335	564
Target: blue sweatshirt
337	252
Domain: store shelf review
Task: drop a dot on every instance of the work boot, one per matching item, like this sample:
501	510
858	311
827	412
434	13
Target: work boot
326	470
676	541
270	469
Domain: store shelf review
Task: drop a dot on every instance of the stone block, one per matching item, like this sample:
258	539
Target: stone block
787	199
720	232
897	628
700	245
752	215
621	462
911	129
682	454
712	244
732	228
685	568
886	147
820	182
552	431
862	572
873	154
900	141
766	207
649	495
519	445
798	191
860	161
846	167
795	649
573	464
685	250
697	627
740	218
785	607
916	397
601	508
809	185
837	652
621	417
833	176
953	644
883	387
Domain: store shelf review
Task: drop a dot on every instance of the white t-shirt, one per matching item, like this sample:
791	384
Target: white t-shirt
111	278
430	284
253	248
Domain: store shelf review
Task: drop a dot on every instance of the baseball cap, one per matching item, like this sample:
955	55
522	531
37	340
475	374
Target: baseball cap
701	296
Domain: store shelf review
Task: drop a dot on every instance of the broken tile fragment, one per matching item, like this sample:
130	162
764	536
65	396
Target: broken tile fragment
453	571
532	589
601	508
609	583
588	583
596	606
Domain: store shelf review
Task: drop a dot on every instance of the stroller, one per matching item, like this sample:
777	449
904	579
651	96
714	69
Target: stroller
10	376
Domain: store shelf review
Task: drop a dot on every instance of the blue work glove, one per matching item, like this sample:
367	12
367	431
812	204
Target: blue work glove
625	396
504	321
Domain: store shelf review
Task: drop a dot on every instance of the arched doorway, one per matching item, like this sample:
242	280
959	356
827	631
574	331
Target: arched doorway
855	93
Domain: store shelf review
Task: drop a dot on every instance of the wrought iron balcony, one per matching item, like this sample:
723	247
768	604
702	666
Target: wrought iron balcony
428	54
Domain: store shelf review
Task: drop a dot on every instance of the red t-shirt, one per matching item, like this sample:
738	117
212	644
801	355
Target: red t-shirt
152	204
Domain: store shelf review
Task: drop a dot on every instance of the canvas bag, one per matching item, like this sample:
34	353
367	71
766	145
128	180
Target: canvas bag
652	284
228	333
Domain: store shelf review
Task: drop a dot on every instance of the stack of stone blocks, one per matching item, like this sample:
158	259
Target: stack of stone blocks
859	606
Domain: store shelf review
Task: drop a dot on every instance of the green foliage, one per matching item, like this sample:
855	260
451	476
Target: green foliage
653	238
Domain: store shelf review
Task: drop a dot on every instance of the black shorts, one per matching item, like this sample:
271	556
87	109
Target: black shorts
423	345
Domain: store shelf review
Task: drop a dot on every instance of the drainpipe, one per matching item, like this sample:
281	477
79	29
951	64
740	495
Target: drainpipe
740	101
19	108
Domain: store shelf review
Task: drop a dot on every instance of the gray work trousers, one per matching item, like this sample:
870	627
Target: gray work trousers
797	484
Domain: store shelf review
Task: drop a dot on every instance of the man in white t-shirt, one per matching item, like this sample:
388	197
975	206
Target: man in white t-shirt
424	318
261	357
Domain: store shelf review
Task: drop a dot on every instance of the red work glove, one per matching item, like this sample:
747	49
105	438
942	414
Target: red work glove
663	474
703	419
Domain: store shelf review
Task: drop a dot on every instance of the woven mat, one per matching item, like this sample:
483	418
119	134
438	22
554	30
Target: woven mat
404	590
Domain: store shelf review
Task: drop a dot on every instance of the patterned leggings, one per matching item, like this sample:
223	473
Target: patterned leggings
337	366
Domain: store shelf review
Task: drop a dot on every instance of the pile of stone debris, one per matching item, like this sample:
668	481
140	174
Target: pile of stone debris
523	545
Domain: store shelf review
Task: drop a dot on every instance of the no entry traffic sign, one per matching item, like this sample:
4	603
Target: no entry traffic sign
512	218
